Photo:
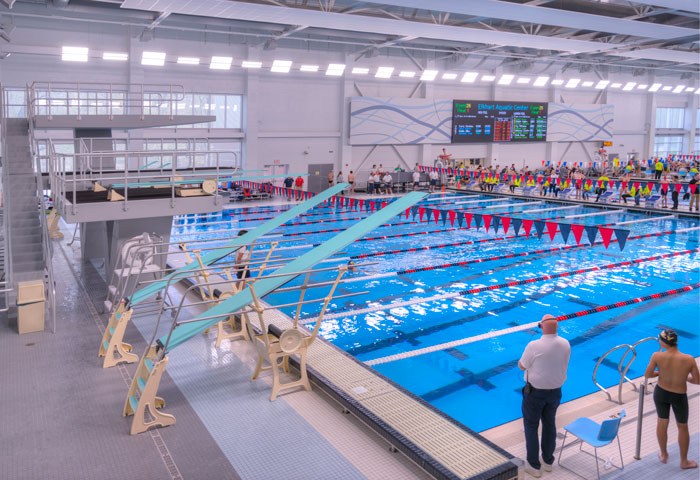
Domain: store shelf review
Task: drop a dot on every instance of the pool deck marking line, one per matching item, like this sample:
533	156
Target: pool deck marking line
527	326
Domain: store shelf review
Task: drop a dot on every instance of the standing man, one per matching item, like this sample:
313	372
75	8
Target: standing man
545	362
416	178
658	169
694	195
331	177
433	179
675	370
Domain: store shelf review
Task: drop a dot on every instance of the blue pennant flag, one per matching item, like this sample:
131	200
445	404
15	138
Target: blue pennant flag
621	236
414	212
517	224
592	231
477	220
443	216
539	228
460	219
496	223
565	229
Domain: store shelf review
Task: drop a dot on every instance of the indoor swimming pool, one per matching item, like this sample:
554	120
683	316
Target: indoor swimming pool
441	306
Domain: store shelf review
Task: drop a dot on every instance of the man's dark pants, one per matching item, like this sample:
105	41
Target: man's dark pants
540	405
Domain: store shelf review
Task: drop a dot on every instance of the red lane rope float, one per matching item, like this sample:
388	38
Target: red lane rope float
523	254
645	298
580	271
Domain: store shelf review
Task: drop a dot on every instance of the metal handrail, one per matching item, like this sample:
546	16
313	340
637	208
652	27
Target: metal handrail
6	203
135	99
622	370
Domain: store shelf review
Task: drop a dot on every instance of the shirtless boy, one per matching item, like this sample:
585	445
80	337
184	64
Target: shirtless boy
675	370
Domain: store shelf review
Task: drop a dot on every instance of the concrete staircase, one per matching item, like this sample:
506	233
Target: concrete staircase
26	253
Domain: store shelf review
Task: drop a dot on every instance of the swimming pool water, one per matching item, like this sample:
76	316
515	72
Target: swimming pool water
479	383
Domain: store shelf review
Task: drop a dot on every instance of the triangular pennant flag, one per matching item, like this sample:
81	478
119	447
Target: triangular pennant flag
408	212
421	212
384	204
650	185
496	223
443	216
477	220
578	232
527	225
436	214
539	228
621	236
685	188
678	187
452	218
606	235
693	188
487	221
414	211
468	216
623	185
517	223
505	221
565	229
460	219
592	231
551	229
361	203
372	205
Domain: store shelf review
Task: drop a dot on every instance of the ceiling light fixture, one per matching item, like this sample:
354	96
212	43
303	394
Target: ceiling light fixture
655	87
642	87
309	68
602	84
557	82
523	80
360	71
615	85
281	66
251	64
679	88
469	77
74	54
667	88
629	86
449	76
335	69
488	78
156	59
572	83
587	84
384	72
220	63
428	75
505	79
407	74
188	60
541	81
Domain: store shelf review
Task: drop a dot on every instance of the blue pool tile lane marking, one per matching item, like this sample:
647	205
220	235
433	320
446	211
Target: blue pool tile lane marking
302	263
527	326
246	239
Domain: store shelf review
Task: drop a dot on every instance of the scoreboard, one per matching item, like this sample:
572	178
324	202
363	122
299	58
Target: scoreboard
476	121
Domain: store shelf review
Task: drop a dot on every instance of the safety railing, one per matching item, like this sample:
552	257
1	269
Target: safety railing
141	168
110	99
7	285
623	366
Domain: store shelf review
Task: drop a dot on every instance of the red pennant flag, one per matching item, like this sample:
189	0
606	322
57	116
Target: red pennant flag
664	186
436	214
650	185
551	229
421	212
578	232
505	221
468	218
362	204
452	214
623	185
487	222
371	206
606	235
383	204
408	212
693	188
678	187
611	185
527	226
636	185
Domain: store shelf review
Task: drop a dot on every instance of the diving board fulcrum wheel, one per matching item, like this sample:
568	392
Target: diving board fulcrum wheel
291	340
209	186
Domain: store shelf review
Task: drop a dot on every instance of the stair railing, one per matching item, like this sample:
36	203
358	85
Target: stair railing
7	285
623	366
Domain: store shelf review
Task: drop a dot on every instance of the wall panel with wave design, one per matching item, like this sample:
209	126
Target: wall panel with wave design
579	122
399	121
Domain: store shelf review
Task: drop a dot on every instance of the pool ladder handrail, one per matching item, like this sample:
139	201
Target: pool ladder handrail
622	367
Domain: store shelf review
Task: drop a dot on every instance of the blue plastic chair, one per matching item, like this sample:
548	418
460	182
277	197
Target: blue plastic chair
596	435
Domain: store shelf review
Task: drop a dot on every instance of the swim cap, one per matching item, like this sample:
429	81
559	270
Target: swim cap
669	337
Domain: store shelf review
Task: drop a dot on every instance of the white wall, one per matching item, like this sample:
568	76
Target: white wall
289	114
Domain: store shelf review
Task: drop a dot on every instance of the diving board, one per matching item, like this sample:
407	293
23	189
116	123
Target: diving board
142	402
309	259
214	255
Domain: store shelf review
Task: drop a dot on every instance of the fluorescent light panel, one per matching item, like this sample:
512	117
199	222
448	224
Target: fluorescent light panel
335	69
541	81
469	77
360	71
587	84
384	72
655	87
428	75
523	80
505	79
615	85
449	76
153	58
74	54
667	88
488	78
115	56
557	82
572	83
251	64
642	87
679	89
309	68
629	86
220	63
281	66
690	89
188	60
407	74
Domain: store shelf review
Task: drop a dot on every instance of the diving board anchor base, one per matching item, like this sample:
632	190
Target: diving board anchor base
112	347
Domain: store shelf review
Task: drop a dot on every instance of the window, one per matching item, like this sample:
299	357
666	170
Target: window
668	144
201	153
16	102
670	117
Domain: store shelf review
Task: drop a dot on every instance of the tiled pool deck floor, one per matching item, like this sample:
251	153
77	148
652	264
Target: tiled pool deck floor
61	412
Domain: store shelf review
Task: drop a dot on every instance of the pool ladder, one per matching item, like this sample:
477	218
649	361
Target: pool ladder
623	366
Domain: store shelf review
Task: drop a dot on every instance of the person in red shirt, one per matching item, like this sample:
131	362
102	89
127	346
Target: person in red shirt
299	182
